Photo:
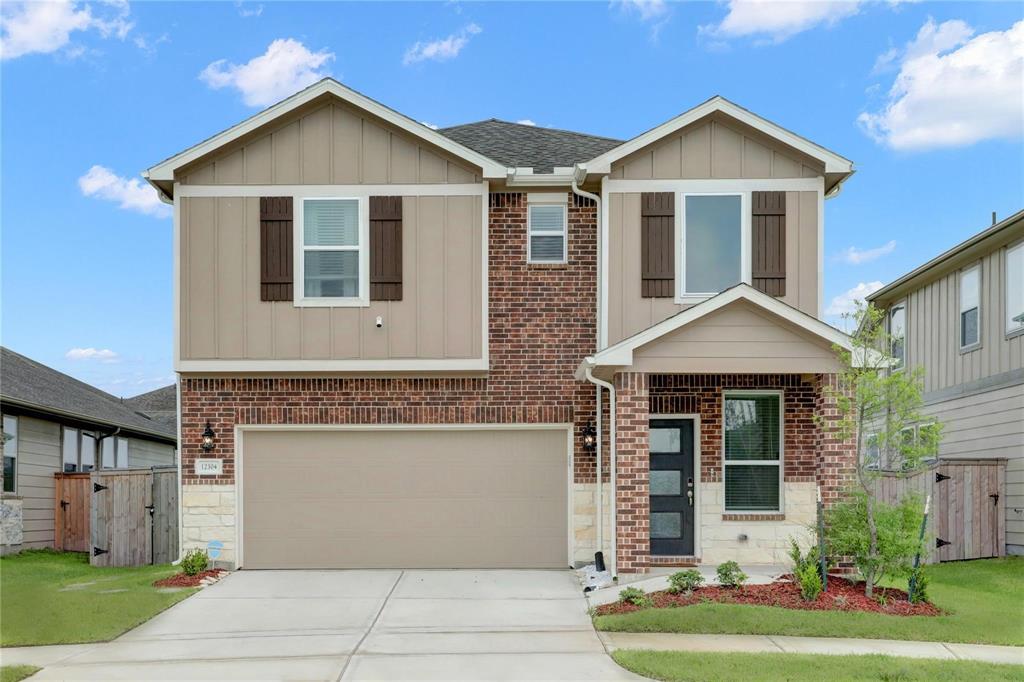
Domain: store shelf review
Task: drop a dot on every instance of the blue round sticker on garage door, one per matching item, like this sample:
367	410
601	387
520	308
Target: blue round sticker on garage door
213	548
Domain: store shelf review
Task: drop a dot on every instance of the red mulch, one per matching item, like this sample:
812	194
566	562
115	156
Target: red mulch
842	595
182	580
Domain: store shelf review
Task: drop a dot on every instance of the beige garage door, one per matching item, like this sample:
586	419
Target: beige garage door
444	498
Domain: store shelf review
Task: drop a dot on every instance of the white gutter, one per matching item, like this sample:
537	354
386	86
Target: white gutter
613	561
561	177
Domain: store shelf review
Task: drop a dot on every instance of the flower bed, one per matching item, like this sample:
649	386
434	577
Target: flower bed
842	595
184	580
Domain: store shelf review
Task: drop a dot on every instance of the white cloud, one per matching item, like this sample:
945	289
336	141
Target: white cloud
644	10
442	49
953	90
131	194
777	20
525	122
102	355
429	125
285	68
247	11
45	27
846	302
855	256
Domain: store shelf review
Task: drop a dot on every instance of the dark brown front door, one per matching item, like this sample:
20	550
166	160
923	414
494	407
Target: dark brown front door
672	487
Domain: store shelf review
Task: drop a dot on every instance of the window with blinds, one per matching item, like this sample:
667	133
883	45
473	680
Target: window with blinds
331	248
752	425
548	240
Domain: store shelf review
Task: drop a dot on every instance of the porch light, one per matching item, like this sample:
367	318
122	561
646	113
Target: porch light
589	438
207	438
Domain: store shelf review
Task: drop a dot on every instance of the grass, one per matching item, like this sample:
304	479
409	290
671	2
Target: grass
984	600
15	673
684	666
58	598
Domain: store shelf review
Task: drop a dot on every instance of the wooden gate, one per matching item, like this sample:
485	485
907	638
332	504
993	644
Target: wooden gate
134	517
71	512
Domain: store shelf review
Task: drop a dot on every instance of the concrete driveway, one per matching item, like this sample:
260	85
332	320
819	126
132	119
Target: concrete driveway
362	625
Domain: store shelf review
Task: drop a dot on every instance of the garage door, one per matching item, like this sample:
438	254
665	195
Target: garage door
405	498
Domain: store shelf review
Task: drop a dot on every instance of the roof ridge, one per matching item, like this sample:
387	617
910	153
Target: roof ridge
533	127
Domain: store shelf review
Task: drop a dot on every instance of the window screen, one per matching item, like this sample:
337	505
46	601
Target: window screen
547	233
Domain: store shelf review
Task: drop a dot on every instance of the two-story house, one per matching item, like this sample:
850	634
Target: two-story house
960	316
401	347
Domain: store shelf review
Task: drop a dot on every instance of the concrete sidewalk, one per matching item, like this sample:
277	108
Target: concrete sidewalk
663	641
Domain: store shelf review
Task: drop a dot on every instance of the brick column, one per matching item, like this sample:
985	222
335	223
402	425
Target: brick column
837	458
632	505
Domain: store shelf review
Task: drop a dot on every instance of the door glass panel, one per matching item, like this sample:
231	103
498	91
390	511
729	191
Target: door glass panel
664	440
666	525
666	482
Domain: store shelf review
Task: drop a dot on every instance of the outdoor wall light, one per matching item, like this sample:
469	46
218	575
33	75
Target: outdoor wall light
207	438
589	438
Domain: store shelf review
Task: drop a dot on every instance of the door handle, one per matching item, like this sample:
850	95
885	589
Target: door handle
689	497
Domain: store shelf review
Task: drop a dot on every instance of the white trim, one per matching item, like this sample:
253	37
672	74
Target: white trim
176	276
164	171
529	233
300	300
781	462
834	163
485	259
681	295
547	197
376	366
712	185
320	191
545	426
821	248
602	272
621	354
698	483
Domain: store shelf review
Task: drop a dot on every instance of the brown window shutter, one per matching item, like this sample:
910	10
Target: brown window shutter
769	242
657	244
385	248
276	221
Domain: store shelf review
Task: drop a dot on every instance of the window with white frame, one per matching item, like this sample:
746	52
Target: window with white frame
872	455
331	256
970	307
1015	289
10	436
122	453
898	334
548	238
712	243
69	450
928	437
108	450
753	451
87	452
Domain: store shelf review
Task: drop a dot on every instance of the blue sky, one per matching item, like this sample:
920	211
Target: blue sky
926	98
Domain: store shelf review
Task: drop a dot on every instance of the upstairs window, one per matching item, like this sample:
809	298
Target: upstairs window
332	260
712	243
1015	289
872	455
753	452
548	240
10	453
898	335
970	307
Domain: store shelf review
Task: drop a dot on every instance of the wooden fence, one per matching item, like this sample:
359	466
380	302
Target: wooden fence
968	517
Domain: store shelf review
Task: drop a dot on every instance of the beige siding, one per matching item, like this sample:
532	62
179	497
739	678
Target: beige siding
629	312
38	460
143	454
222	316
329	144
736	339
933	329
716	148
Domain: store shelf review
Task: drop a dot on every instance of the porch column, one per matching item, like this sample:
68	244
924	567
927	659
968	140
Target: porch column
837	458
632	504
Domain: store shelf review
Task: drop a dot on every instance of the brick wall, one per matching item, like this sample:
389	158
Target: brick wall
632	422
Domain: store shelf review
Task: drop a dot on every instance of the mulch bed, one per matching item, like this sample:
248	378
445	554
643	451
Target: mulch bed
182	580
842	595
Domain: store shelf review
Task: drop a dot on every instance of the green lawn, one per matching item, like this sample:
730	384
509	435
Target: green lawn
14	673
984	600
54	598
683	666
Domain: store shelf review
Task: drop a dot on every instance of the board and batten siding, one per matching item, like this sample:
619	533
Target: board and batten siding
223	318
39	458
143	454
328	144
630	312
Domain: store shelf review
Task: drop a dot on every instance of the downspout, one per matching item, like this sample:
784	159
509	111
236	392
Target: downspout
600	383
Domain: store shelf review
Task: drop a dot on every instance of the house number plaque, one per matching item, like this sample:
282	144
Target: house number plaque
209	467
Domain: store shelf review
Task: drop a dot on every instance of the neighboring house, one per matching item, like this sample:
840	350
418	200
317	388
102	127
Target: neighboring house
960	316
52	423
392	341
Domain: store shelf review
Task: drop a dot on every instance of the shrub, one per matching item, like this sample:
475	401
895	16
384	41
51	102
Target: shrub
918	586
635	596
808	577
730	575
685	581
195	561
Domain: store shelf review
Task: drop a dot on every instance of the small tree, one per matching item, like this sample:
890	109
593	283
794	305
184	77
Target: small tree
876	394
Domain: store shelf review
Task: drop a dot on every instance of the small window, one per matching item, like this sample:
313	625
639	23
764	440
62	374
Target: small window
69	448
547	229
712	243
928	438
872	452
108	448
970	307
898	335
88	453
753	452
10	454
122	453
331	259
1015	289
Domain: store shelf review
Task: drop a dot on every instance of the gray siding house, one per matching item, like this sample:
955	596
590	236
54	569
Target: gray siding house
961	317
53	422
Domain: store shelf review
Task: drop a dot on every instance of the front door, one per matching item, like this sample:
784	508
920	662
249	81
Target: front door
672	487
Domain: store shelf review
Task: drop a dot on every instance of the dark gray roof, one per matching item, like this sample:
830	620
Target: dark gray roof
29	384
519	145
161	404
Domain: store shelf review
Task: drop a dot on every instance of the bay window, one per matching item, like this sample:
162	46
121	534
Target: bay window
970	307
333	259
752	426
713	243
1015	289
